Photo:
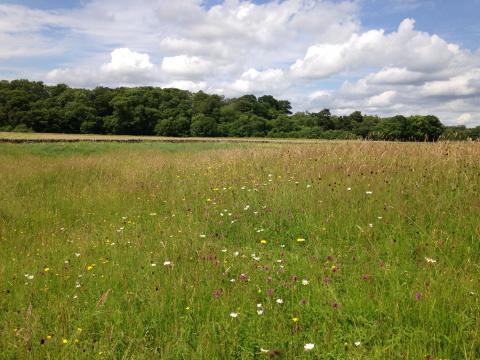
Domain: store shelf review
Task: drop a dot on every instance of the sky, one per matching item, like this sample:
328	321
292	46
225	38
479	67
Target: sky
381	57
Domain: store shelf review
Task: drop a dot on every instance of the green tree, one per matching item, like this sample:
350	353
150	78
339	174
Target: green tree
203	126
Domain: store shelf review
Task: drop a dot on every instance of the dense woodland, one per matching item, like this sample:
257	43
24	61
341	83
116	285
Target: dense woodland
33	106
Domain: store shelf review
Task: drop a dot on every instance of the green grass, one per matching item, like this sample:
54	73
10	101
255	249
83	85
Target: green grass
82	224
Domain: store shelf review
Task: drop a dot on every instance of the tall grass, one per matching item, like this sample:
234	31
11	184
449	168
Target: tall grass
366	250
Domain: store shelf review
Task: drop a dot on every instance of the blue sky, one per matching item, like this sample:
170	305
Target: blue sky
378	56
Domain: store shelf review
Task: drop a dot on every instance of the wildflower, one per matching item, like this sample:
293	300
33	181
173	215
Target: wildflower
418	296
349	189
334	268
203	236
90	267
77	254
309	346
269	292
369	192
46	269
430	260
259	305
49	337
77	341
300	240
217	293
295	319
167	263
357	343
236	253
244	277
153	214
305	282
65	341
279	301
370	225
303	302
264	242
153	264
233	314
260	311
224	250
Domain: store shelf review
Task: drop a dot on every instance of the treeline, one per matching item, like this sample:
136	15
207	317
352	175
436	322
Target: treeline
33	106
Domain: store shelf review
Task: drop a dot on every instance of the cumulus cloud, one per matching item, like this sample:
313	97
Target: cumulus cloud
125	60
408	49
186	66
256	81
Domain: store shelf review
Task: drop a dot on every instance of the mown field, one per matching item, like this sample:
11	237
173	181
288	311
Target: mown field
334	250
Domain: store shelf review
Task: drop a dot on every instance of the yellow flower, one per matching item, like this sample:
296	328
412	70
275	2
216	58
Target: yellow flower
295	319
77	341
46	269
49	337
300	240
263	242
65	341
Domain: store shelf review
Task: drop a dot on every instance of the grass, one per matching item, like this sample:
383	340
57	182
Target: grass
146	251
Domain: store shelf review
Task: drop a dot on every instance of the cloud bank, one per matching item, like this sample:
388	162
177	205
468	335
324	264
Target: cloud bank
315	53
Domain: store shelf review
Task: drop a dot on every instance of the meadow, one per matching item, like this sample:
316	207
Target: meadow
329	250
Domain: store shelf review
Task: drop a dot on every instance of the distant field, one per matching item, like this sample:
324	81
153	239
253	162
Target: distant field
40	137
214	251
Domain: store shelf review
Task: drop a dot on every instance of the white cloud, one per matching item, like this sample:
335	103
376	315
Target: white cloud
126	60
384	99
408	49
189	66
256	81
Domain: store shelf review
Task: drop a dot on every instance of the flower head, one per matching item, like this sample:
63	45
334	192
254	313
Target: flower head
308	346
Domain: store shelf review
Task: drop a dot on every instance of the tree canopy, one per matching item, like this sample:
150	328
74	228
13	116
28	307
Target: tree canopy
33	106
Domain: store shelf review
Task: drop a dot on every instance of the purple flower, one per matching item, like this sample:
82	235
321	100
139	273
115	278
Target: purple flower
244	277
217	293
418	296
269	292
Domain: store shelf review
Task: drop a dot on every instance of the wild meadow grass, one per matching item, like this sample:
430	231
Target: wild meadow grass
336	250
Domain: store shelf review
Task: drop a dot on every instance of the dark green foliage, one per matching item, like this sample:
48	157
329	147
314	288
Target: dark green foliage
34	106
